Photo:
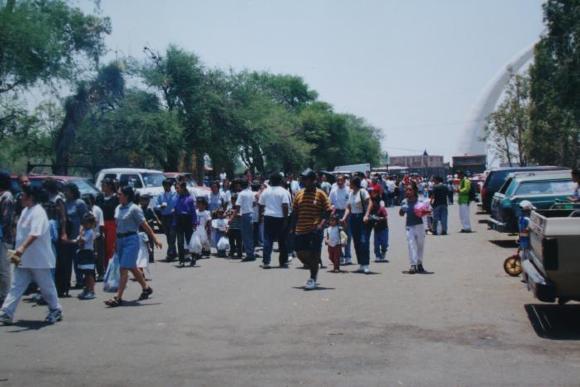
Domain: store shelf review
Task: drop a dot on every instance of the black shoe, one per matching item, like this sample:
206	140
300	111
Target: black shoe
193	262
413	270
283	266
420	268
145	294
248	259
444	233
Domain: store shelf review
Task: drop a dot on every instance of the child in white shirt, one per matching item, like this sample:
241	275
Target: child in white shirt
332	238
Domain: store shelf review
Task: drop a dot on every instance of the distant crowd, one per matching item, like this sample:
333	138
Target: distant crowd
48	235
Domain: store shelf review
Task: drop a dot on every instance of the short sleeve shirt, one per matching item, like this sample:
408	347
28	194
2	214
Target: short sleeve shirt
339	197
273	198
309	208
129	217
39	255
356	201
246	200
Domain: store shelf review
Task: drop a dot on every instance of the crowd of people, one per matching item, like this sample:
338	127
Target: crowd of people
49	235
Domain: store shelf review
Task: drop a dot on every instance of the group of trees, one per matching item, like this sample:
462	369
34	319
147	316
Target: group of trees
167	111
539	119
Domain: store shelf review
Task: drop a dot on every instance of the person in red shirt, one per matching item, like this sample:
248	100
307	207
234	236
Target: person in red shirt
380	225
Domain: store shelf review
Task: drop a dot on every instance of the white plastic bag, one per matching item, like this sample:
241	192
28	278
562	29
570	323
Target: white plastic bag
195	245
143	257
223	244
112	275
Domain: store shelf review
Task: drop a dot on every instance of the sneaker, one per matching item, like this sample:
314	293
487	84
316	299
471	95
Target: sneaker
54	316
361	269
266	266
366	269
420	268
248	259
5	319
87	296
378	259
347	261
310	284
413	270
82	294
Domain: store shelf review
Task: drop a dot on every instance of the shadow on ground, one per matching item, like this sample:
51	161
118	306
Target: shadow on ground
506	244
555	322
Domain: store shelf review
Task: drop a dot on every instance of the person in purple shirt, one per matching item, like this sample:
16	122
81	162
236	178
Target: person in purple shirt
185	219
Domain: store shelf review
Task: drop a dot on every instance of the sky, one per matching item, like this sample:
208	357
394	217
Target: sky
413	68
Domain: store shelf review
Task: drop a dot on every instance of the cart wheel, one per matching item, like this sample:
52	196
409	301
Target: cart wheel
513	266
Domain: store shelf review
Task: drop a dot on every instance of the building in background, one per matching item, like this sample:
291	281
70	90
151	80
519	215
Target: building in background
424	165
470	163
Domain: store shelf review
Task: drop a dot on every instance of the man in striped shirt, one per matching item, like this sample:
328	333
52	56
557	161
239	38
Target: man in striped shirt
311	208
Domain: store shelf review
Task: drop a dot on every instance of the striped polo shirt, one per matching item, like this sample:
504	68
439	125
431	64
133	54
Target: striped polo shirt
310	208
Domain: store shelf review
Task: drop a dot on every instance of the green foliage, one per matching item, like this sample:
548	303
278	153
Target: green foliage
555	87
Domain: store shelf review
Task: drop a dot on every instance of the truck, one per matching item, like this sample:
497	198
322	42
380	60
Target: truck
551	266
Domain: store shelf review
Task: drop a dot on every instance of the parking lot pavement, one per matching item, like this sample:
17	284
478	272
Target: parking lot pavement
226	323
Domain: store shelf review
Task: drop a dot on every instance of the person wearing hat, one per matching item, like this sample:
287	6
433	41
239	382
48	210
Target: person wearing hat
310	210
526	208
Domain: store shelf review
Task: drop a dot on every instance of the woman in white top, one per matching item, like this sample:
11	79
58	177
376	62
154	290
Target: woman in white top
357	212
35	255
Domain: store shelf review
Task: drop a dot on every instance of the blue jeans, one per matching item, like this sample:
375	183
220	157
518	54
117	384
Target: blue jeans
346	253
275	230
440	215
248	235
360	237
381	243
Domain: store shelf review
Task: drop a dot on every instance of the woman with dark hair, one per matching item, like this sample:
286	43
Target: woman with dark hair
415	229
33	258
75	210
185	219
108	204
129	218
357	212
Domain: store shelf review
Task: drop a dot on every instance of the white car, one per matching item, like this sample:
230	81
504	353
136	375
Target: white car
144	181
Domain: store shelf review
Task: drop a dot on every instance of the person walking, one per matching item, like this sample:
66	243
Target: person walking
415	229
439	201
245	207
339	200
357	213
6	233
34	258
184	221
274	203
463	201
310	210
165	207
380	225
108	204
129	217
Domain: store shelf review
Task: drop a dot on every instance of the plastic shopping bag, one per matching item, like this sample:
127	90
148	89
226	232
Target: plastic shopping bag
195	245
422	209
223	244
112	275
143	257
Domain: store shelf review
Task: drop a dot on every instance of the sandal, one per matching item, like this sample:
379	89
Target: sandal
145	294
114	302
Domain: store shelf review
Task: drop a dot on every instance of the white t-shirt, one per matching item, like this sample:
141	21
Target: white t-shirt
364	183
246	201
339	197
203	217
333	235
39	255
273	198
99	219
356	201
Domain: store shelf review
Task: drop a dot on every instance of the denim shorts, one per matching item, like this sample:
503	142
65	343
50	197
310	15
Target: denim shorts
128	251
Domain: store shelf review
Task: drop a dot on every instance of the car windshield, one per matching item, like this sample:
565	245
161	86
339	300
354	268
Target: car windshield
85	187
153	179
505	185
562	187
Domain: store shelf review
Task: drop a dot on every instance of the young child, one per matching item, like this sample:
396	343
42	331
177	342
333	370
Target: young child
203	225
90	201
219	227
523	225
332	238
151	218
380	226
234	230
86	255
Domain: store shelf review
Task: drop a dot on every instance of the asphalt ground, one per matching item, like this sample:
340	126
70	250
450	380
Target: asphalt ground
226	323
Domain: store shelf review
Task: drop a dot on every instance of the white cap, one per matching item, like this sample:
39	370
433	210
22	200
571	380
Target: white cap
526	205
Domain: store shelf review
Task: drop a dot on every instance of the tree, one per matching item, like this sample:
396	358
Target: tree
555	87
508	126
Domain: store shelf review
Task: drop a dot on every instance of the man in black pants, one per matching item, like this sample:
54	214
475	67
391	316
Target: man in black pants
165	207
274	204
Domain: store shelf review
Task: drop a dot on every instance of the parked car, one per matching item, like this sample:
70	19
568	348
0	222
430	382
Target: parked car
84	184
551	268
496	178
194	188
144	181
542	188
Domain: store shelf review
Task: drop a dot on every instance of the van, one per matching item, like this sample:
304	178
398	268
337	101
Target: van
144	181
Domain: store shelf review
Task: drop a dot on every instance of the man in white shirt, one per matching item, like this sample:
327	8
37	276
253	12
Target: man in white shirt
35	256
245	207
274	204
339	199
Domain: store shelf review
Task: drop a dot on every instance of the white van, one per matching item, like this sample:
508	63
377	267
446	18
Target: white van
144	181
